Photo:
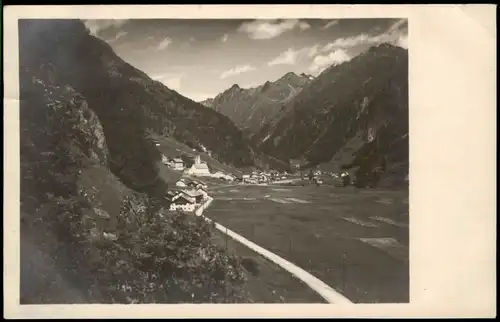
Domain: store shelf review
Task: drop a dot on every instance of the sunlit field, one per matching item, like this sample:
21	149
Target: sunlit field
354	240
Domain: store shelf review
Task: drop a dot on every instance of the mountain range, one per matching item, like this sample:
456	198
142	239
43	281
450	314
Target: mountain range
250	108
353	116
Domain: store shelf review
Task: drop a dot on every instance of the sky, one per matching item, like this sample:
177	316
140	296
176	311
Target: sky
202	58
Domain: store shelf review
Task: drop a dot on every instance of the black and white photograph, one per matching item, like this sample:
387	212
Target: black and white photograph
214	161
163	161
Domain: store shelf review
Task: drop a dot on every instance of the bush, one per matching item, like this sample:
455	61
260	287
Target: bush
167	257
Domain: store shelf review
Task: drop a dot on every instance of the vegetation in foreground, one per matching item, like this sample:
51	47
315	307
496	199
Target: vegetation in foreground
151	257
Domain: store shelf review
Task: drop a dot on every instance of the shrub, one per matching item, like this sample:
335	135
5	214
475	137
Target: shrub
167	257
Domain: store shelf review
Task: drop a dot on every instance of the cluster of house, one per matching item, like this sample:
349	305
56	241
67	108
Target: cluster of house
316	176
199	168
175	163
264	177
224	176
187	196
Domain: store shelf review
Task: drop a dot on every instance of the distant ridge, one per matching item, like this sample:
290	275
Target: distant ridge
353	116
250	108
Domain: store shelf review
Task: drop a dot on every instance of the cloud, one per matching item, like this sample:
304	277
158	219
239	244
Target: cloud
289	57
349	42
292	56
164	43
399	33
236	71
330	24
224	38
172	81
336	52
321	62
396	34
96	26
192	39
398	26
268	29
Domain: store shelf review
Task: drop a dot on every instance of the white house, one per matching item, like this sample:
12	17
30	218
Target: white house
199	168
181	184
183	205
195	184
171	194
189	183
203	192
222	175
201	185
250	180
195	194
181	201
178	164
219	174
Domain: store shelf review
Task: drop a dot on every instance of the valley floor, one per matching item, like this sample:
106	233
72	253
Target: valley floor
356	241
267	282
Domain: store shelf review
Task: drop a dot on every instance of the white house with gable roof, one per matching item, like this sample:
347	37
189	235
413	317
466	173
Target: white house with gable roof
178	164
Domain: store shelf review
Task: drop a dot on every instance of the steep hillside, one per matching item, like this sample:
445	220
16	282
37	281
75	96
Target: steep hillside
93	223
250	108
354	115
119	89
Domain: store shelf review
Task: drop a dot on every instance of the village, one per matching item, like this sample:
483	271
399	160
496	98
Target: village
190	192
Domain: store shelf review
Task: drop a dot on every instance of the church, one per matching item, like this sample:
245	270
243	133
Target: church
199	168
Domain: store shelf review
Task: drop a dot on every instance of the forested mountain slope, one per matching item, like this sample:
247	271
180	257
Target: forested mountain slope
354	116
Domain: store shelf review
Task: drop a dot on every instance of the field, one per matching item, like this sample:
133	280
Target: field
354	240
267	282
